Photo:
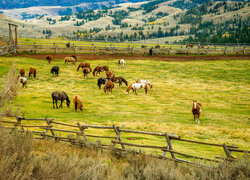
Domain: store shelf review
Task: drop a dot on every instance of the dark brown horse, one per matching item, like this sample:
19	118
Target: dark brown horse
109	85
99	69
32	72
110	74
84	65
56	96
189	45
119	80
86	71
49	58
196	110
22	72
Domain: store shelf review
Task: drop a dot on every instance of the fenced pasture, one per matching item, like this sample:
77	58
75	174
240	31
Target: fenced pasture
221	86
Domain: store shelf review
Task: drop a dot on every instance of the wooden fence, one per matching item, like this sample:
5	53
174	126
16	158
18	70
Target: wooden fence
77	134
101	48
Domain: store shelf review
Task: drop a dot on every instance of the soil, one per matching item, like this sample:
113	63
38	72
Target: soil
82	57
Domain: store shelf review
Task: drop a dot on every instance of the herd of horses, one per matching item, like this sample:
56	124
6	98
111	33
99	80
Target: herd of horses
108	83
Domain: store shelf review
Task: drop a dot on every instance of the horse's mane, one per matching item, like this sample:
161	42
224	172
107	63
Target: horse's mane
95	70
124	81
79	67
129	87
67	97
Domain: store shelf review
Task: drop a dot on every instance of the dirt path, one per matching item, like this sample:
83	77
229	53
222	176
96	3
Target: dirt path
141	57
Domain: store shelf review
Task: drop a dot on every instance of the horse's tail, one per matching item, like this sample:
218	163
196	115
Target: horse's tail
146	88
34	73
76	105
94	72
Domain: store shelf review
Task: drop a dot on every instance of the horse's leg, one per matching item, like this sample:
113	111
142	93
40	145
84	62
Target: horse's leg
61	104
56	104
135	92
198	118
53	104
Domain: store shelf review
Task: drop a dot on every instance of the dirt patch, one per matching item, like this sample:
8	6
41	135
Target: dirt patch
82	57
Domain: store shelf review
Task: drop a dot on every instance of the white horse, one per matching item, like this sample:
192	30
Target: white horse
135	86
145	81
23	80
122	63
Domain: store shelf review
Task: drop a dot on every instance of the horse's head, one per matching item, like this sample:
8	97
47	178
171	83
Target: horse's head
128	89
68	103
81	107
194	103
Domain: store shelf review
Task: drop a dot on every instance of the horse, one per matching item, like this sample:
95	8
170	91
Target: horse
77	101
122	63
101	81
135	86
22	72
99	69
151	51
32	72
86	71
49	58
110	74
145	81
60	96
74	57
69	59
196	110
109	85
119	80
189	45
55	69
23	80
84	65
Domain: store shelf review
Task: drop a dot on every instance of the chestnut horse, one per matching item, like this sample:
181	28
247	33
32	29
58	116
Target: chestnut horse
70	59
77	101
122	63
22	72
196	110
49	58
110	74
84	65
109	85
86	71
189	45
135	86
99	69
32	72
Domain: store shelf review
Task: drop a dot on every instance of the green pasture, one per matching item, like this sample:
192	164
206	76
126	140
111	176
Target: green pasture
222	87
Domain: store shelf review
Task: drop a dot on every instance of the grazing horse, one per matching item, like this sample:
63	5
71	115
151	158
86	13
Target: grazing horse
101	81
70	59
135	86
86	71
84	65
77	101
22	72
49	58
55	69
23	80
122	63
32	72
196	110
56	96
119	80
99	69
145	81
109	85
189	45
110	74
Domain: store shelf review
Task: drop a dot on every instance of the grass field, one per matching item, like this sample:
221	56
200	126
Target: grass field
222	87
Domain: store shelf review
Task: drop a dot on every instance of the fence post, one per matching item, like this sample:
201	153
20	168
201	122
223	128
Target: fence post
94	49
169	50
188	51
225	51
55	48
82	131
207	50
169	146
49	127
35	46
244	50
75	51
233	48
132	50
198	50
118	134
228	153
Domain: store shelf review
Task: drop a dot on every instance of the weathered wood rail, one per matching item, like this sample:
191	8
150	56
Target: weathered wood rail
52	128
99	48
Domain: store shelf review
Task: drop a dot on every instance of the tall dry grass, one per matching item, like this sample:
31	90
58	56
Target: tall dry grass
22	157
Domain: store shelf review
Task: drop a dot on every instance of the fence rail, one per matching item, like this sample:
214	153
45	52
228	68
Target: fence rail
101	48
52	127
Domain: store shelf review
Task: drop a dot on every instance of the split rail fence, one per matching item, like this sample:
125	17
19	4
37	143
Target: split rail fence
99	48
77	134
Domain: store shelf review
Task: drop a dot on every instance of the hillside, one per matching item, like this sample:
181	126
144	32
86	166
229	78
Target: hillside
143	21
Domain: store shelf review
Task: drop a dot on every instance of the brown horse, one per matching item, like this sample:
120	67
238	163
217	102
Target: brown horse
22	72
32	72
109	85
70	59
99	69
49	58
189	45
84	65
86	71
77	101
196	110
119	80
110	74
135	86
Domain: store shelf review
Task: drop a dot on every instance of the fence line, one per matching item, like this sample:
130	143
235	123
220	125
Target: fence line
132	49
79	131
